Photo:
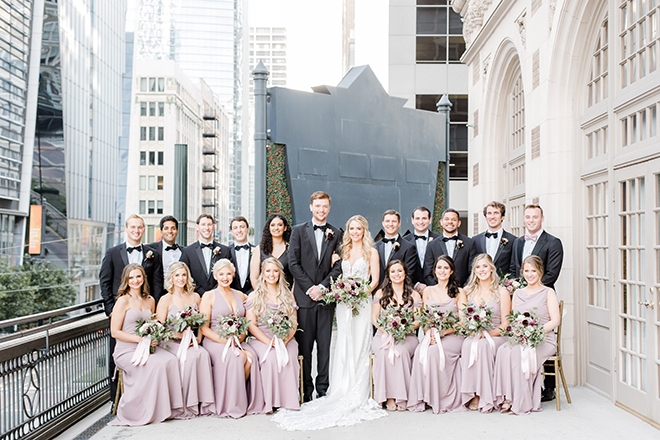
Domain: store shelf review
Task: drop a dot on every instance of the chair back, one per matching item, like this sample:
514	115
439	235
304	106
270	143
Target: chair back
558	329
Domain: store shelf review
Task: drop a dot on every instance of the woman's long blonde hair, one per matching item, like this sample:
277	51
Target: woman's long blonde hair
169	285
367	241
261	291
473	284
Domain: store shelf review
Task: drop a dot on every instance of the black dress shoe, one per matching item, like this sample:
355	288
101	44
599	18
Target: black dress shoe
548	395
307	398
321	394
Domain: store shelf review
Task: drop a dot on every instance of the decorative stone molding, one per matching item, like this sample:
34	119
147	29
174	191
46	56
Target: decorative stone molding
486	65
552	6
521	22
472	14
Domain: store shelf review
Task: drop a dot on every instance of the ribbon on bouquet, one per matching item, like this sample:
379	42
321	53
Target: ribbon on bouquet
235	344
424	350
390	344
280	352
141	352
474	348
187	337
527	360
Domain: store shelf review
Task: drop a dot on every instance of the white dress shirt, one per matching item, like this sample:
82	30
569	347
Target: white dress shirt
170	257
421	246
243	263
207	256
450	245
388	248
135	256
493	243
318	234
529	244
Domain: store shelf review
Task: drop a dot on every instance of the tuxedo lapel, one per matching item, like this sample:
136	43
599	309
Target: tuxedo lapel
324	246
200	255
233	255
123	254
539	244
500	247
312	240
381	250
443	247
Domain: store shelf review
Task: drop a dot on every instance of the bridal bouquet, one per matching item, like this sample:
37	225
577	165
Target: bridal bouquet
511	283
397	321
433	317
477	318
278	322
524	329
354	292
231	327
188	318
153	329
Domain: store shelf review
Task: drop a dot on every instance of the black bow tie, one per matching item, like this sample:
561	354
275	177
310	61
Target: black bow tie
491	234
446	239
172	248
206	245
136	248
420	237
245	246
321	227
389	240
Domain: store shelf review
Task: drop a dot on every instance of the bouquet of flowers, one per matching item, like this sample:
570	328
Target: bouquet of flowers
278	323
524	329
433	317
511	283
231	326
477	318
354	292
397	321
153	329
188	318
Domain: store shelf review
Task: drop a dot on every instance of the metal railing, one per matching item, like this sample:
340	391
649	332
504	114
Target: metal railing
54	374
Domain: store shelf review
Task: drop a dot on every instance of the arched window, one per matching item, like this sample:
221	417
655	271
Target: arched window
515	163
597	86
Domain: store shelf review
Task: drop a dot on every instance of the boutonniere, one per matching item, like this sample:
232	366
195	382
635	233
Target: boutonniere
459	244
396	246
149	255
430	239
216	251
504	241
329	234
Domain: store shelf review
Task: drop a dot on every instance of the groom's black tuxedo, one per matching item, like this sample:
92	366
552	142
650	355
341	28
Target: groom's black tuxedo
549	249
503	255
194	258
463	256
314	319
406	252
236	283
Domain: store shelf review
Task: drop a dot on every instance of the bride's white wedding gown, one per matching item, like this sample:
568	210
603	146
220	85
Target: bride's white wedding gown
347	402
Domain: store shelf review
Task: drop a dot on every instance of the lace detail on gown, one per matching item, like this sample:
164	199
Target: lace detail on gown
347	402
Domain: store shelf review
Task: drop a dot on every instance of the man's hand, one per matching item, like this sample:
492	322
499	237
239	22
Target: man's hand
420	288
314	292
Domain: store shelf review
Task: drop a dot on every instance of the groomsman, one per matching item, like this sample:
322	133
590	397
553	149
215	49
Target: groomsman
495	242
241	252
550	250
459	247
112	266
310	262
421	220
167	247
394	247
203	254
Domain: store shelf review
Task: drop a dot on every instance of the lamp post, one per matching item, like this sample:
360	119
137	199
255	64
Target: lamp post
260	76
444	106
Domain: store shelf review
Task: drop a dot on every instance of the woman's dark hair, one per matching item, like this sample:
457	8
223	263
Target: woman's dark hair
388	291
267	239
452	282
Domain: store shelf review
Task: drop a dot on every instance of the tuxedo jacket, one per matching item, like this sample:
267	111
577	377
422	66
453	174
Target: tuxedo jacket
549	249
236	284
411	238
158	246
194	257
305	266
116	258
462	257
504	251
407	253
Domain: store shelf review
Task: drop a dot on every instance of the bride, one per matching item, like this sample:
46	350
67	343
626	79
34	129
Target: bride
347	401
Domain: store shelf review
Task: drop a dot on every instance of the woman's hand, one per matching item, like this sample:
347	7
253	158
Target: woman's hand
335	258
153	342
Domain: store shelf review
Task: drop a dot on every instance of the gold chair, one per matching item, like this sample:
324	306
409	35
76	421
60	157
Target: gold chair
371	374
120	389
300	385
555	362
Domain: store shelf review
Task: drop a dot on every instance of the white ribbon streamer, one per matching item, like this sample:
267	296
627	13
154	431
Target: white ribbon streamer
474	348
141	354
187	337
280	352
390	344
236	346
527	360
424	350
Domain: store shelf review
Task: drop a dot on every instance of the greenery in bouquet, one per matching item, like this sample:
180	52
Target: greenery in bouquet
398	321
476	319
278	322
188	317
524	329
510	283
231	326
433	317
153	329
352	291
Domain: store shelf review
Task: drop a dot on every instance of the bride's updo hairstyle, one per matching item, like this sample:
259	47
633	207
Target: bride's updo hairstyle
367	241
388	290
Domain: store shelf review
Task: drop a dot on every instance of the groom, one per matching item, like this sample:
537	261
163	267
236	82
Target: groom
310	261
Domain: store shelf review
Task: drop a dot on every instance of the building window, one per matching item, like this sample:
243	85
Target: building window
161	84
151	207
458	166
152	183
639	39
161	109
152	133
458	133
152	158
143	109
143	84
160	157
597	245
161	133
152	84
159	207
143	157
143	133
597	86
152	109
143	207
150	232
160	183
143	182
439	32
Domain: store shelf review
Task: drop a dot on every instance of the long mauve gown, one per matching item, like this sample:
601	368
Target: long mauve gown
479	380
441	390
152	392
393	381
234	396
197	377
280	390
510	383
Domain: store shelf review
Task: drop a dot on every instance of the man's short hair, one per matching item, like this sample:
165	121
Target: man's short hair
319	195
169	218
205	215
131	217
451	210
238	218
496	205
421	208
392	212
534	206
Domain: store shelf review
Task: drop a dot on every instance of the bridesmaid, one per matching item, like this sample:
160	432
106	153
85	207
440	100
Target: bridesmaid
392	381
237	382
514	393
197	378
271	293
441	390
152	392
274	243
478	380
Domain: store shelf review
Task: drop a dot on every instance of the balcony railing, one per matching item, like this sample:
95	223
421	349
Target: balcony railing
53	374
